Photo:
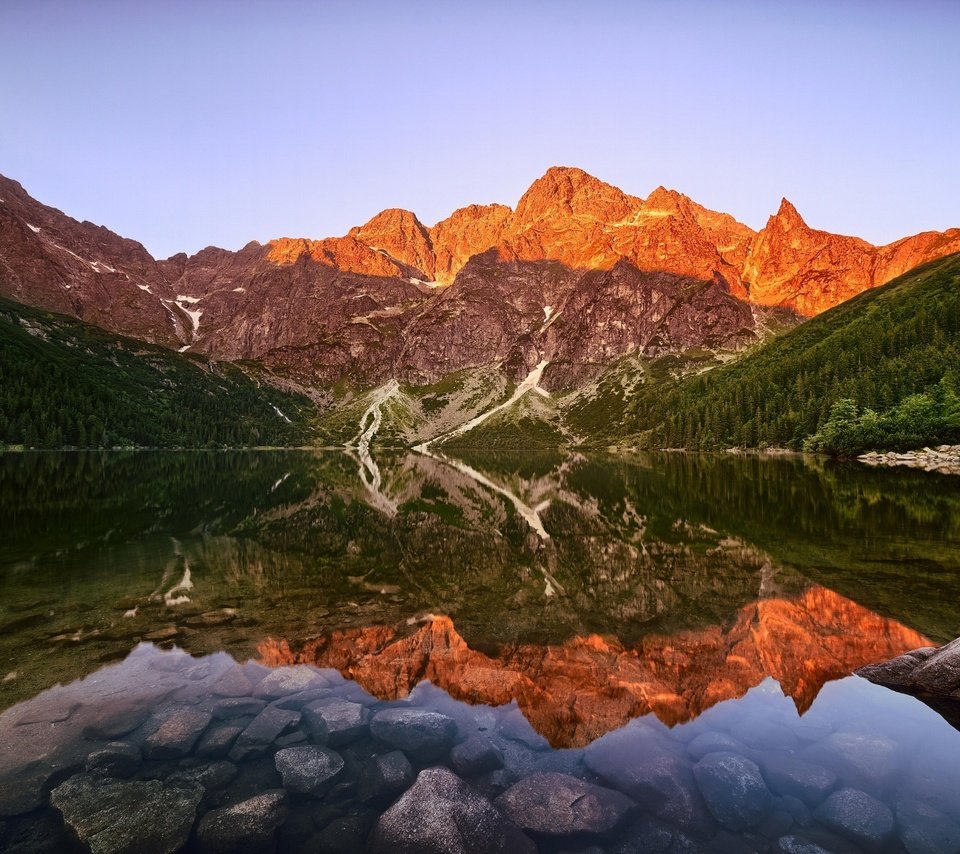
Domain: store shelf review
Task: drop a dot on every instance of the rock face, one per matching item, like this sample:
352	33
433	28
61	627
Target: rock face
931	674
794	265
111	816
579	274
440	814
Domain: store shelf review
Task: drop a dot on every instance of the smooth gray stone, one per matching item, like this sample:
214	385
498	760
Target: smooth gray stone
476	755
291	739
233	683
116	759
117	723
861	760
262	731
309	770
177	735
127	817
335	722
248	826
787	775
288	680
440	814
734	789
924	829
218	740
421	734
714	742
638	761
561	805
857	816
238	707
385	776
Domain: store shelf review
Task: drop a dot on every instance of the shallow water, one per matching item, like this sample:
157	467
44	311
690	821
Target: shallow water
577	612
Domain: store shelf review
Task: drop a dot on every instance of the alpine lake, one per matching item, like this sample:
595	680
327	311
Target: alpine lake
326	652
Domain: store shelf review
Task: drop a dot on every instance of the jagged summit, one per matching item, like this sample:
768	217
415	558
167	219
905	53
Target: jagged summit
786	216
580	273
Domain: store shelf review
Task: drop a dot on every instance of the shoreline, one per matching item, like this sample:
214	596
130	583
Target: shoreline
944	459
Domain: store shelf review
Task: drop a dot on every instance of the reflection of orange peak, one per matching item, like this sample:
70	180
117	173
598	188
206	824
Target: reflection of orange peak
575	692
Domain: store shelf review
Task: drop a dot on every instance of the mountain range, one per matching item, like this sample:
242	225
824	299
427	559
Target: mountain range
555	293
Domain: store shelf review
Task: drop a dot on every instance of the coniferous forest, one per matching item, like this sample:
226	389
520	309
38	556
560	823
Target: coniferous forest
66	384
881	371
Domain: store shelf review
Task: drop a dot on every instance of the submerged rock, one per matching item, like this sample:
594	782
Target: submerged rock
561	805
421	734
117	723
247	826
139	817
862	760
218	740
440	814
288	680
116	759
28	788
262	731
476	755
798	845
236	707
385	776
925	830
638	761
335	722
308	770
210	775
177	735
787	775
857	816
733	788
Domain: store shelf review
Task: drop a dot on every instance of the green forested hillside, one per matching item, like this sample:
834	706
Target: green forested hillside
63	384
876	352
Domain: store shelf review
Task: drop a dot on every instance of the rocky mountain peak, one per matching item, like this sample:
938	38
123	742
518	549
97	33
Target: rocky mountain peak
565	191
666	202
786	217
401	235
466	232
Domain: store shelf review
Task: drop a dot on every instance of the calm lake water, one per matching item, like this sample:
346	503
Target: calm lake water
679	629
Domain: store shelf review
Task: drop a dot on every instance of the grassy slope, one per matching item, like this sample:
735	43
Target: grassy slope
64	383
876	349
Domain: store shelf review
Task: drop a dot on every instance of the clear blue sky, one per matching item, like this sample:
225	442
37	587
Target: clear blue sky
184	124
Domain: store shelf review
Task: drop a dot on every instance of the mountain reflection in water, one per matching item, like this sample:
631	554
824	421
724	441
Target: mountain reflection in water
658	583
575	692
640	622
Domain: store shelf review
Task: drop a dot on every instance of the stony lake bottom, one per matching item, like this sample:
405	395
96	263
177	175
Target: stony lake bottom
297	651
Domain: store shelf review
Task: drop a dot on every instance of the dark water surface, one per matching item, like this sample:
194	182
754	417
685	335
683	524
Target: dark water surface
677	630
